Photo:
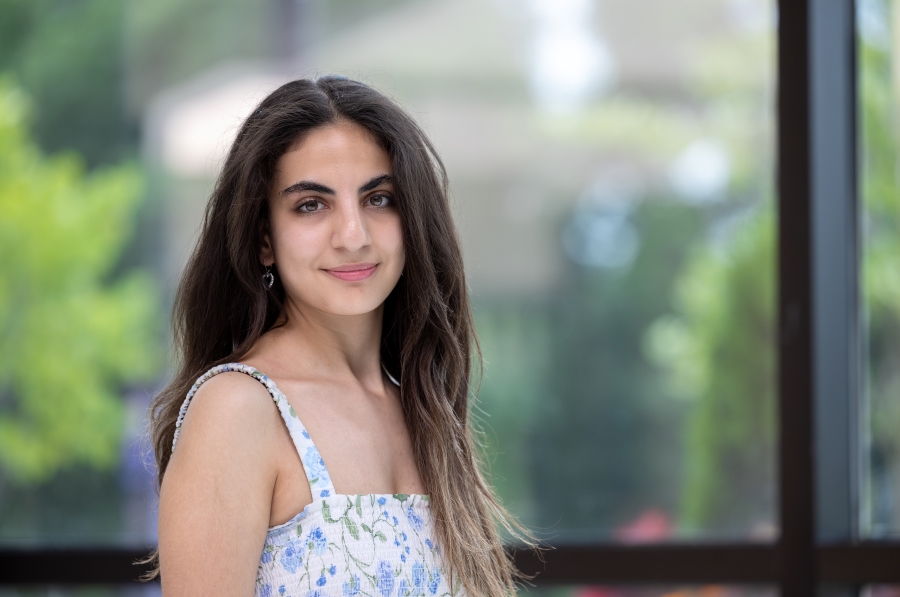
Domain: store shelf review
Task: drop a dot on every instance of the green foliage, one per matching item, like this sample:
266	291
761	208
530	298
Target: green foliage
515	342
169	41
69	336
67	54
719	349
587	438
880	130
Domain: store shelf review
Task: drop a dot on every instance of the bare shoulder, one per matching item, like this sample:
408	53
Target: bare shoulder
229	398
231	416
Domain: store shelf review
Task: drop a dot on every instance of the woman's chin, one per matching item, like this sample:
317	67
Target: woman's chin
348	307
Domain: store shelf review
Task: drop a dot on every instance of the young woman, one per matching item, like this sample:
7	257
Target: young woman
315	440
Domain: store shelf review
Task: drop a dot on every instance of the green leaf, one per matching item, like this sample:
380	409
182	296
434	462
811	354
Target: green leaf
326	512
366	528
358	506
381	536
401	496
351	526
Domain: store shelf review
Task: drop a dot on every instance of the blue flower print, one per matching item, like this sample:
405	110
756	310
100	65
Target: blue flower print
305	434
435	580
403	589
292	556
428	543
316	593
325	493
397	542
395	519
265	590
414	519
281	590
314	465
406	549
332	570
403	557
418	577
386	515
350	589
322	580
381	501
317	541
266	558
403	535
385	578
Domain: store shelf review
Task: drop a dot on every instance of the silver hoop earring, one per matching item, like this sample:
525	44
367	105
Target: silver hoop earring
268	277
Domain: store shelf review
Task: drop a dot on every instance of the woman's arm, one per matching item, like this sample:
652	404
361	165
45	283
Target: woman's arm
216	494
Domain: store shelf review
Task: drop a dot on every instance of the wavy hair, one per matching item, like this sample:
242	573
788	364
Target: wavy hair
428	340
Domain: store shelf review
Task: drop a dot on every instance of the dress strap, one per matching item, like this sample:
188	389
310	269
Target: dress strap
313	465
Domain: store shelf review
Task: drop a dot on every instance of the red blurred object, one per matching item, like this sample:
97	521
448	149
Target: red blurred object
652	525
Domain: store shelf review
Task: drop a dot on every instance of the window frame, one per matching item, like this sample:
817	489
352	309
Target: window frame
819	340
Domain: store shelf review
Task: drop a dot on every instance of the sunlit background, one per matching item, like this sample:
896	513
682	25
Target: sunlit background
612	172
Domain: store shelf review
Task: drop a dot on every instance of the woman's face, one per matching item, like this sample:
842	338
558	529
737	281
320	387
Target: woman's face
335	235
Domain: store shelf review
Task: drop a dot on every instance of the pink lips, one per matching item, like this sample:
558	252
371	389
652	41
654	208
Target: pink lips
354	272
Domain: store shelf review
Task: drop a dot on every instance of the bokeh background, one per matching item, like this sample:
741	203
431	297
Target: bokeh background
611	164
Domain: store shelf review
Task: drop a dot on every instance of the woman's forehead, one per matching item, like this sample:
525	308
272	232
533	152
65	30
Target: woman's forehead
341	152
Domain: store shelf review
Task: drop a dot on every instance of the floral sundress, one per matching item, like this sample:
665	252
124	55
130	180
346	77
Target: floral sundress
372	545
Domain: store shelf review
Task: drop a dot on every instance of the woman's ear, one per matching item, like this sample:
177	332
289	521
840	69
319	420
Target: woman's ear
266	253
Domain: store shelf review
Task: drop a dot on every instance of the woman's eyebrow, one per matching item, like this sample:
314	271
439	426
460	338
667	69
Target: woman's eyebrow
375	182
308	185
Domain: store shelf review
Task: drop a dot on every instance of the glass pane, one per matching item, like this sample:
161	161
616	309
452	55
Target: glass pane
612	180
879	106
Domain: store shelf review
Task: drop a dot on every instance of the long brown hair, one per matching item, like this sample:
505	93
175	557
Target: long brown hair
428	339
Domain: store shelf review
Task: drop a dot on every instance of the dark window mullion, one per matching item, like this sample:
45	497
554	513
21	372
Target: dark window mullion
795	367
818	285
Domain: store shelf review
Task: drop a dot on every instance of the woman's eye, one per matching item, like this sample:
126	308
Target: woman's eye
311	206
379	200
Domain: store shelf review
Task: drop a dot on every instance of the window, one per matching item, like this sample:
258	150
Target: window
683	272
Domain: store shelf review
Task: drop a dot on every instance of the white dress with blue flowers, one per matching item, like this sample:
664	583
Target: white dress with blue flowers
374	545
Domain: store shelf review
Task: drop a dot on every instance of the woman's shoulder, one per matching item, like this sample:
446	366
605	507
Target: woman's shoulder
228	405
234	389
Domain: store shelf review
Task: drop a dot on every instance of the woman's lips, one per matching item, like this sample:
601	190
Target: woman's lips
353	273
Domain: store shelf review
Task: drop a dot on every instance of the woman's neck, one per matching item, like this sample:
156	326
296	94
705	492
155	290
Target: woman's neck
334	346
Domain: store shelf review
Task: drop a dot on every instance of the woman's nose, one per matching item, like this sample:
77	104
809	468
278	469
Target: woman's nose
351	232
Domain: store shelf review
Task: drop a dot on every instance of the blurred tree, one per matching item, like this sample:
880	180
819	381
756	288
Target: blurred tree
515	341
880	164
70	336
68	55
585	438
604	402
169	41
720	352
